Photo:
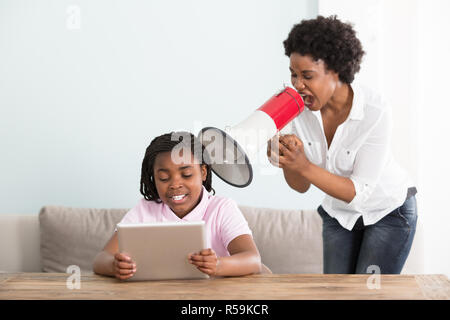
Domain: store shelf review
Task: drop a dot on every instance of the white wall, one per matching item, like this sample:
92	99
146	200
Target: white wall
434	114
407	60
85	85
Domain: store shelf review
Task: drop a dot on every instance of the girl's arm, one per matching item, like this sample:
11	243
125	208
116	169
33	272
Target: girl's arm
244	259
110	262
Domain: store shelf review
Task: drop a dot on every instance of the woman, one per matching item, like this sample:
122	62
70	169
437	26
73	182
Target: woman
342	146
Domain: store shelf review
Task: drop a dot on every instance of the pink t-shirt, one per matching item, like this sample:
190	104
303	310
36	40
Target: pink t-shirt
223	219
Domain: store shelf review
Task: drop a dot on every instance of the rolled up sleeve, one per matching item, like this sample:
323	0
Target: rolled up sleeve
371	159
233	222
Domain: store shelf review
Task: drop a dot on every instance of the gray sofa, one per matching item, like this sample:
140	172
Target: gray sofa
290	241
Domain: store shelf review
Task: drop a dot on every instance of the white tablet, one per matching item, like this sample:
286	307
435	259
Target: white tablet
160	250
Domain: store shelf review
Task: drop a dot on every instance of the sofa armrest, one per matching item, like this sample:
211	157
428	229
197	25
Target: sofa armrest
19	243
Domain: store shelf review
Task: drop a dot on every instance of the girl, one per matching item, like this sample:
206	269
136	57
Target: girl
342	146
175	183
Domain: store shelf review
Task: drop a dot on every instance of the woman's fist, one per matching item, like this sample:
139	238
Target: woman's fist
287	152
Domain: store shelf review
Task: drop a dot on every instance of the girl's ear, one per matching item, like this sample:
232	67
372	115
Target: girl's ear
204	171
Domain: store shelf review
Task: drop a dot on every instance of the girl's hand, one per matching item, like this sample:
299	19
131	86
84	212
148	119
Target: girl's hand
206	261
290	154
124	267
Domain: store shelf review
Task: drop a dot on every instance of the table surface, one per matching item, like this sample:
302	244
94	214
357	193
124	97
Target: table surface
255	287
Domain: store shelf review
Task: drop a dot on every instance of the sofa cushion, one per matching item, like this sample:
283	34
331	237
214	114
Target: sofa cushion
289	241
74	236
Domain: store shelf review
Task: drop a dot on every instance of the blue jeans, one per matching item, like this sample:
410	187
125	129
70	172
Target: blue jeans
385	244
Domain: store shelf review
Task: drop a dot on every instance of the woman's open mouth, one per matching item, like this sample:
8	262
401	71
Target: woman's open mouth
307	99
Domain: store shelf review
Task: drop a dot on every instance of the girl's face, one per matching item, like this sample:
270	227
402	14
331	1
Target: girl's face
179	185
312	80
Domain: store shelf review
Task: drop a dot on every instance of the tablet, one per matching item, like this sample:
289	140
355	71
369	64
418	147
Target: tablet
160	249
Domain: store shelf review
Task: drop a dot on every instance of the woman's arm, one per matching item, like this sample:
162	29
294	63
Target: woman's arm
336	186
244	259
299	172
367	168
296	181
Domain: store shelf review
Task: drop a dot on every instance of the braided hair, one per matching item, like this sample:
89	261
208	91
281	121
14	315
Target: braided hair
166	143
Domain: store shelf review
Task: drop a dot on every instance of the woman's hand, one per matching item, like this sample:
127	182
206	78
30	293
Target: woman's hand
124	267
206	261
290	154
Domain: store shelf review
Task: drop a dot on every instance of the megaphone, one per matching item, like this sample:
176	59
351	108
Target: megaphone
232	150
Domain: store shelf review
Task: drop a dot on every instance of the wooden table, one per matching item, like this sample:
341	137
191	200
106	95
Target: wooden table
257	287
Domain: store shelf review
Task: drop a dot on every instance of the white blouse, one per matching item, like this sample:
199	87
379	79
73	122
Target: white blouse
360	150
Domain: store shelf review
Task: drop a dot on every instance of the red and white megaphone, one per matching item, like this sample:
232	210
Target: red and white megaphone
232	151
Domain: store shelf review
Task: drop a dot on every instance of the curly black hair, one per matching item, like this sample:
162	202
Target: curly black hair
166	143
330	40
